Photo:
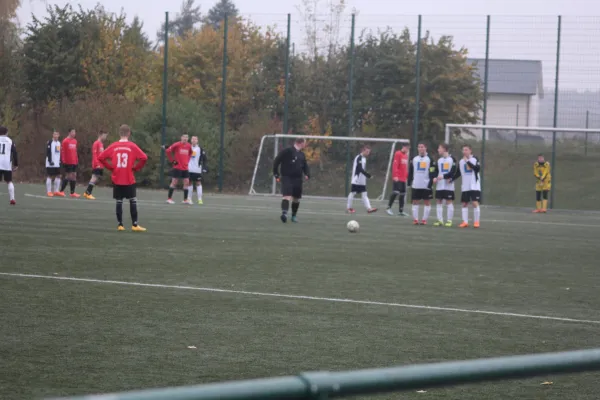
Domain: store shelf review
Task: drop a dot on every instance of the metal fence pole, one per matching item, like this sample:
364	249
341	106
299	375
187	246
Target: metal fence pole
415	138
555	123
350	105
223	103
517	131
287	75
486	75
587	126
163	134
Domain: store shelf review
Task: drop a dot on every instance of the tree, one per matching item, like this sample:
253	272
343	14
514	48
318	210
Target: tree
218	12
184	23
8	8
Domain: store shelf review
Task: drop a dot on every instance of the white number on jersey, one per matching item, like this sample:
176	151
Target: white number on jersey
122	159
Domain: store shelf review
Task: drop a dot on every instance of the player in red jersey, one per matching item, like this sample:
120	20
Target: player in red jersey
125	159
69	161
179	154
97	169
399	175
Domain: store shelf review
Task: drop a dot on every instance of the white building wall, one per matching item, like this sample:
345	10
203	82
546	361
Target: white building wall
502	110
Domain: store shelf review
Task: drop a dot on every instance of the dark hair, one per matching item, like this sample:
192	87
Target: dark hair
71	129
365	147
3	130
467	146
124	130
540	155
102	132
299	140
445	146
422	143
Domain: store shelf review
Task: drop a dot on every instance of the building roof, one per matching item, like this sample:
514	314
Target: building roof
511	76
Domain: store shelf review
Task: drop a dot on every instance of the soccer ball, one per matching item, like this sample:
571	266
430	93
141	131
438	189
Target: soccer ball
353	227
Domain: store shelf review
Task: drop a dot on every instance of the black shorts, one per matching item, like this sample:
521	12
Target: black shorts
472	195
358	189
179	174
421	194
121	192
444	194
291	187
5	175
98	171
52	171
399	187
70	168
195	177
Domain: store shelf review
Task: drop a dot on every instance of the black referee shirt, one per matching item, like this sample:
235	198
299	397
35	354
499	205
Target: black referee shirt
293	163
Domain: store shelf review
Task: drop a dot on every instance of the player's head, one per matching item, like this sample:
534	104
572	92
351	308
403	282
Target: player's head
300	143
124	131
194	140
541	158
422	148
72	133
467	150
102	135
55	136
443	148
3	131
365	150
184	138
405	148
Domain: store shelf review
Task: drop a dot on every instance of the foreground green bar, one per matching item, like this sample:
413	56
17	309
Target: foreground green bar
370	381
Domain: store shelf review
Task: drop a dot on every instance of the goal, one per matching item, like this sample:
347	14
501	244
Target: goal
507	155
330	161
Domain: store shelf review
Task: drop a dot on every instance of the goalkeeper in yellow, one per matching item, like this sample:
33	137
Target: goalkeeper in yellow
541	171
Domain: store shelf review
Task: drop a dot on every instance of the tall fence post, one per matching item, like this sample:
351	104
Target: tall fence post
163	131
555	123
350	105
415	138
486	75
223	103
287	76
587	126
517	131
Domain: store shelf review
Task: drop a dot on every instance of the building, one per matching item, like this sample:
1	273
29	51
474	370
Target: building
515	88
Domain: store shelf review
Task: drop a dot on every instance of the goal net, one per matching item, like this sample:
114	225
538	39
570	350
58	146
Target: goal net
507	154
330	161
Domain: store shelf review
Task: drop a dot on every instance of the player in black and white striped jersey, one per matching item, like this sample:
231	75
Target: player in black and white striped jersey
9	162
359	181
53	164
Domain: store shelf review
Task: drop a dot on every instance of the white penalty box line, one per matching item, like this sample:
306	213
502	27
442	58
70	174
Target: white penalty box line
299	297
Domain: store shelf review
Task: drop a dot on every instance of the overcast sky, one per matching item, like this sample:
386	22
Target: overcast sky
520	29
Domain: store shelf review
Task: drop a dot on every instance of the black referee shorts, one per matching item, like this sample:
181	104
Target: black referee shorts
121	192
291	187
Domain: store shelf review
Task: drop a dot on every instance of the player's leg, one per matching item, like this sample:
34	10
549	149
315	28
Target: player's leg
57	181
401	199
426	208
538	200
73	182
65	180
366	202
172	186
350	200
450	209
186	184
192	185
49	177
96	175
416	198
465	199
296	196
11	187
476	212
439	208
287	192
395	193
199	189
545	200
131	193
118	195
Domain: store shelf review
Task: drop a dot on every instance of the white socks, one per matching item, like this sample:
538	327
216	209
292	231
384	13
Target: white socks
439	210
56	184
415	212
350	200
426	211
465	214
11	191
190	192
199	191
450	211
365	200
476	214
49	185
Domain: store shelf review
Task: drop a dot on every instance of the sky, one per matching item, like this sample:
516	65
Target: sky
520	29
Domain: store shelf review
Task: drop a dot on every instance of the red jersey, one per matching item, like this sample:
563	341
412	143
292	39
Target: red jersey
97	148
180	153
123	156
400	167
68	152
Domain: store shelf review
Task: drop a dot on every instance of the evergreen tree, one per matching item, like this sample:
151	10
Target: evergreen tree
184	22
218	12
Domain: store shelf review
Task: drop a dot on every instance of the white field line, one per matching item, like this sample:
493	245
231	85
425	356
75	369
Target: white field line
299	297
309	212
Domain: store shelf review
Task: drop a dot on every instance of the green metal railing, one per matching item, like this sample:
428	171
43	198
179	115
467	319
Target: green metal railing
323	385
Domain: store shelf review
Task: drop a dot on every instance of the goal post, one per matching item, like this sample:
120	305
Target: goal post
507	154
329	159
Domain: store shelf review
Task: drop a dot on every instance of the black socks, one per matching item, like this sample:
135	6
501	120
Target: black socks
171	190
120	211
295	207
133	210
401	202
392	199
90	188
63	185
72	186
285	206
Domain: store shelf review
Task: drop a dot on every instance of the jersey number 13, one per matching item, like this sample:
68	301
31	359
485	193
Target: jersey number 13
122	159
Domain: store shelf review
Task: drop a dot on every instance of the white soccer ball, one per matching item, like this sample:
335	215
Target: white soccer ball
353	226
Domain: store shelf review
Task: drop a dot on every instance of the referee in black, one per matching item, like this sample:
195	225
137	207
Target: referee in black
294	170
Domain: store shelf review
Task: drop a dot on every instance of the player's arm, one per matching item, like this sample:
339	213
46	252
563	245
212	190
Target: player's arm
278	160
305	168
104	157
169	152
49	153
62	151
141	159
396	166
95	152
433	173
457	173
361	170
411	173
546	171
474	166
14	156
535	170
452	171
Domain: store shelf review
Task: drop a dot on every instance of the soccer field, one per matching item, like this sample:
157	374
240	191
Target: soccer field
87	309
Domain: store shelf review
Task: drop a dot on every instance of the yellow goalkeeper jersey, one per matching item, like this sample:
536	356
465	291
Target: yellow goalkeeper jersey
542	173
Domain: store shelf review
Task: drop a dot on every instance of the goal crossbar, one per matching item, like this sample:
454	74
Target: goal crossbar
278	136
515	128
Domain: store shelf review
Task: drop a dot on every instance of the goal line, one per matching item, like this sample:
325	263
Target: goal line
265	157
